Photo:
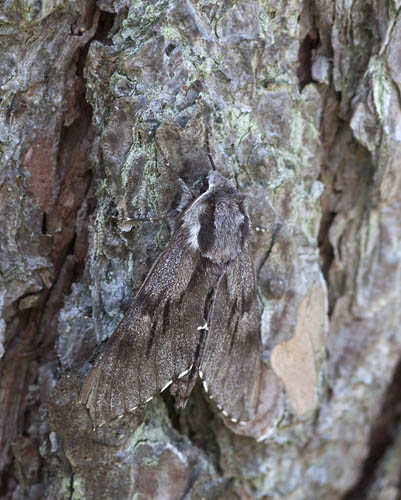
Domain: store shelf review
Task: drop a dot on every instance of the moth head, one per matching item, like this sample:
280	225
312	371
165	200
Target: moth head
204	184
212	181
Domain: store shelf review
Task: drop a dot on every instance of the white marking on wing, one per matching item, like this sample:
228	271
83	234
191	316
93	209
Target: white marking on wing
193	213
182	374
192	239
165	387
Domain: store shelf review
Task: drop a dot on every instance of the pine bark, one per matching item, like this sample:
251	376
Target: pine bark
302	100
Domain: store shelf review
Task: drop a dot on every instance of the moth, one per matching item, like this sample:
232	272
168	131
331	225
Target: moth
195	316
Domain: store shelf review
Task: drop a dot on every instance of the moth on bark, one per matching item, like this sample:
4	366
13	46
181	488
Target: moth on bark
195	315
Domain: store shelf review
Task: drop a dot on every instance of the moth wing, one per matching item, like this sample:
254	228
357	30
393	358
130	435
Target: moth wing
231	364
155	341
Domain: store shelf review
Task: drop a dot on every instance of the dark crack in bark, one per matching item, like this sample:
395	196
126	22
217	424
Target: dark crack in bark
29	360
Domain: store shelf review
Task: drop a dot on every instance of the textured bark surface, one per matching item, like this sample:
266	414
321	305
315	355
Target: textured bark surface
303	103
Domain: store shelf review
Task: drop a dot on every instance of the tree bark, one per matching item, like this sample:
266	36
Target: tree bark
302	100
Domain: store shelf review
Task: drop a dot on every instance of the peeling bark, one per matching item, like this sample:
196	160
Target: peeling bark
303	101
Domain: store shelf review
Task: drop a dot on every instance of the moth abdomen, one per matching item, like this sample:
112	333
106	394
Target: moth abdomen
208	303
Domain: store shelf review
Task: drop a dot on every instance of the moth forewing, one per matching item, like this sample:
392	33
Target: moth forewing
151	345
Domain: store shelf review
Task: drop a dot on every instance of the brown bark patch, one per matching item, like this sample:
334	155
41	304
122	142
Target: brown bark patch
39	163
294	361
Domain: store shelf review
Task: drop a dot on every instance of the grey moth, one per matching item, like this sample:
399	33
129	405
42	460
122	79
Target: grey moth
196	315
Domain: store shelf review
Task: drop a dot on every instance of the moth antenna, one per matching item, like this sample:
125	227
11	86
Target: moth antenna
143	219
209	154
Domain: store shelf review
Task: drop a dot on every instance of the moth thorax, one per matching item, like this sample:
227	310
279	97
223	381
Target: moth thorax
222	231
